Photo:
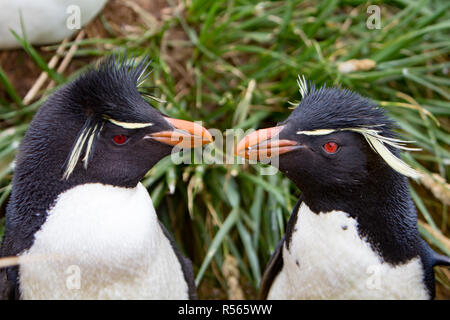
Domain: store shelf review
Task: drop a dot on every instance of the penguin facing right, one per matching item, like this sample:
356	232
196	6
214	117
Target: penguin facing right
80	221
353	233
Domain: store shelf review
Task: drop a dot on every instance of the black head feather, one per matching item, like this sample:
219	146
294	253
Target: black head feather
336	108
111	90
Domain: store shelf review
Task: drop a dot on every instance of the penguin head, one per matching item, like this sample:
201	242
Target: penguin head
334	139
99	129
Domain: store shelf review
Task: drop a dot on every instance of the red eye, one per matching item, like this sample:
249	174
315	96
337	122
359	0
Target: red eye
120	139
330	147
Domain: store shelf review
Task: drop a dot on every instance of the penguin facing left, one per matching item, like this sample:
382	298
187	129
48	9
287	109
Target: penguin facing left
353	233
80	221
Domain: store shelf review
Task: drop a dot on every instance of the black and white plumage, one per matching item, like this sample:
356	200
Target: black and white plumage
77	203
353	234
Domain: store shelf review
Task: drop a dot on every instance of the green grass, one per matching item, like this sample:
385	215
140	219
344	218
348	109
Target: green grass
241	60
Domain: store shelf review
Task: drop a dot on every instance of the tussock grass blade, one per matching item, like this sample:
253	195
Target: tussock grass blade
410	61
424	232
392	47
267	186
242	108
157	171
38	59
256	214
250	252
422	208
9	88
229	222
5	193
427	84
158	193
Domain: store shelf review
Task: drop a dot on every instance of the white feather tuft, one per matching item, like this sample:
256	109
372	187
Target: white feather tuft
89	147
395	163
302	86
76	152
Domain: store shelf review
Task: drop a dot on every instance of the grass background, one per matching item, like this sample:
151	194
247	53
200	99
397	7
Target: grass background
233	64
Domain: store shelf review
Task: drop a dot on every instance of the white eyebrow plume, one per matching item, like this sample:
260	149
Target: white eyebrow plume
377	143
395	163
128	125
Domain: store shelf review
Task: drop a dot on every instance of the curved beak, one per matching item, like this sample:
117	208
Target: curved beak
187	134
264	143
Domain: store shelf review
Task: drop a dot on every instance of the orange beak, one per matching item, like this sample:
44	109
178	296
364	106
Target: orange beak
187	134
263	144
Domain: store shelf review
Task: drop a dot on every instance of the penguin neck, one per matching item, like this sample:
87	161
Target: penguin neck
37	184
383	209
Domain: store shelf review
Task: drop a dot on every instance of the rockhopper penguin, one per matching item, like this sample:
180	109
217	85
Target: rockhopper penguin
353	233
77	208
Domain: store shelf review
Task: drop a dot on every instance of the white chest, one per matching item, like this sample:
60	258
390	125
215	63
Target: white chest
328	260
102	242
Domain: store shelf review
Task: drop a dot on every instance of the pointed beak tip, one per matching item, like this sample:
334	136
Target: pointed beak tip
264	143
207	137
